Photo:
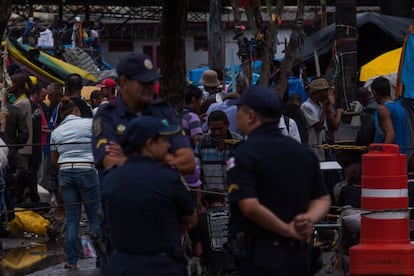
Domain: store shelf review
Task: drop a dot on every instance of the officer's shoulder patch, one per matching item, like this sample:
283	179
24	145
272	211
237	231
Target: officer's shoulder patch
97	126
101	142
232	187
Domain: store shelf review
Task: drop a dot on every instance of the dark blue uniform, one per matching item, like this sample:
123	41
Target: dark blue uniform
144	201
285	177
111	119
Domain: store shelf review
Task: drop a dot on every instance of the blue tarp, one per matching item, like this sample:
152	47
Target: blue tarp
407	73
295	86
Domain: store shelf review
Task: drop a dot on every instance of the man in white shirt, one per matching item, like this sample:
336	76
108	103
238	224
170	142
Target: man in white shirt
289	128
314	109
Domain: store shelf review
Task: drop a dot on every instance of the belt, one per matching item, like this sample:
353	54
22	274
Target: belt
177	254
76	165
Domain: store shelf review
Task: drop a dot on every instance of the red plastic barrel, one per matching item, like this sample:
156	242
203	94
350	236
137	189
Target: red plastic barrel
384	245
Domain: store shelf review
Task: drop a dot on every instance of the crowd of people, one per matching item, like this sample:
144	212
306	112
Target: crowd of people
54	36
243	164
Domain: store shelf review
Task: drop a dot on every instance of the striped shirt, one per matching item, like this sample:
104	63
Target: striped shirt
191	123
213	161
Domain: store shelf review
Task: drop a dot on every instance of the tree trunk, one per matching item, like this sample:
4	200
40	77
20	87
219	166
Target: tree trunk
243	52
346	49
215	36
172	52
268	51
5	8
296	39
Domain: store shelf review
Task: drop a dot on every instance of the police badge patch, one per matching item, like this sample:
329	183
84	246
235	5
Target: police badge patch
148	64
97	126
120	129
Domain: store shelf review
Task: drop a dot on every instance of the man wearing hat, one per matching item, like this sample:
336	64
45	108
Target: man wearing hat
108	89
136	78
275	192
154	199
315	109
212	86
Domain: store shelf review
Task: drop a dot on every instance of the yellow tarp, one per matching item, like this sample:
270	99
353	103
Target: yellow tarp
66	67
28	221
384	64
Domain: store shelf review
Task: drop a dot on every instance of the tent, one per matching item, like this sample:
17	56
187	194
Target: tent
377	34
382	65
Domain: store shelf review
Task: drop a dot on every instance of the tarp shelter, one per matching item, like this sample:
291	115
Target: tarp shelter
384	64
377	34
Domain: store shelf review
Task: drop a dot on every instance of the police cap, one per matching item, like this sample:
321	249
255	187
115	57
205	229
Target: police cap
261	99
138	67
140	129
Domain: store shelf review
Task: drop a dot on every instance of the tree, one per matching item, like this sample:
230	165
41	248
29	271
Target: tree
243	52
215	36
172	52
264	36
275	16
296	39
265	39
5	8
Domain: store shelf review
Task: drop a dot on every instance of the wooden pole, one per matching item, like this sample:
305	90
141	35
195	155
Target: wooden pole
347	52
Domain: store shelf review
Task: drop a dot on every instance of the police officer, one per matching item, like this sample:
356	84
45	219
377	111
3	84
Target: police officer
136	77
146	202
275	192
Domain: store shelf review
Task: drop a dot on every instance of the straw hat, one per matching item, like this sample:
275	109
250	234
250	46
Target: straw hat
210	79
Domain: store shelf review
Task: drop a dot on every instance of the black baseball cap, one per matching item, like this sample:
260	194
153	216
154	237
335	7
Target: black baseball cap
261	99
140	129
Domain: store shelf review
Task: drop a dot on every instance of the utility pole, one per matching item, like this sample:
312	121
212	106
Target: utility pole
347	52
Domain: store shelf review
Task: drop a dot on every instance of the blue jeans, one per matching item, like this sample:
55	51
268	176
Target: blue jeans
79	185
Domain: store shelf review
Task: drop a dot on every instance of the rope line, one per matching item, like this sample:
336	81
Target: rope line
227	141
338	208
51	206
93	201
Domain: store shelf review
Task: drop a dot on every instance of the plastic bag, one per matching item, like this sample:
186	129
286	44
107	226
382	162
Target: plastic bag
88	249
28	221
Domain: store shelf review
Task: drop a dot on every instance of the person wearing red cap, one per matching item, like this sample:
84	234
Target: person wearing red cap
108	89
